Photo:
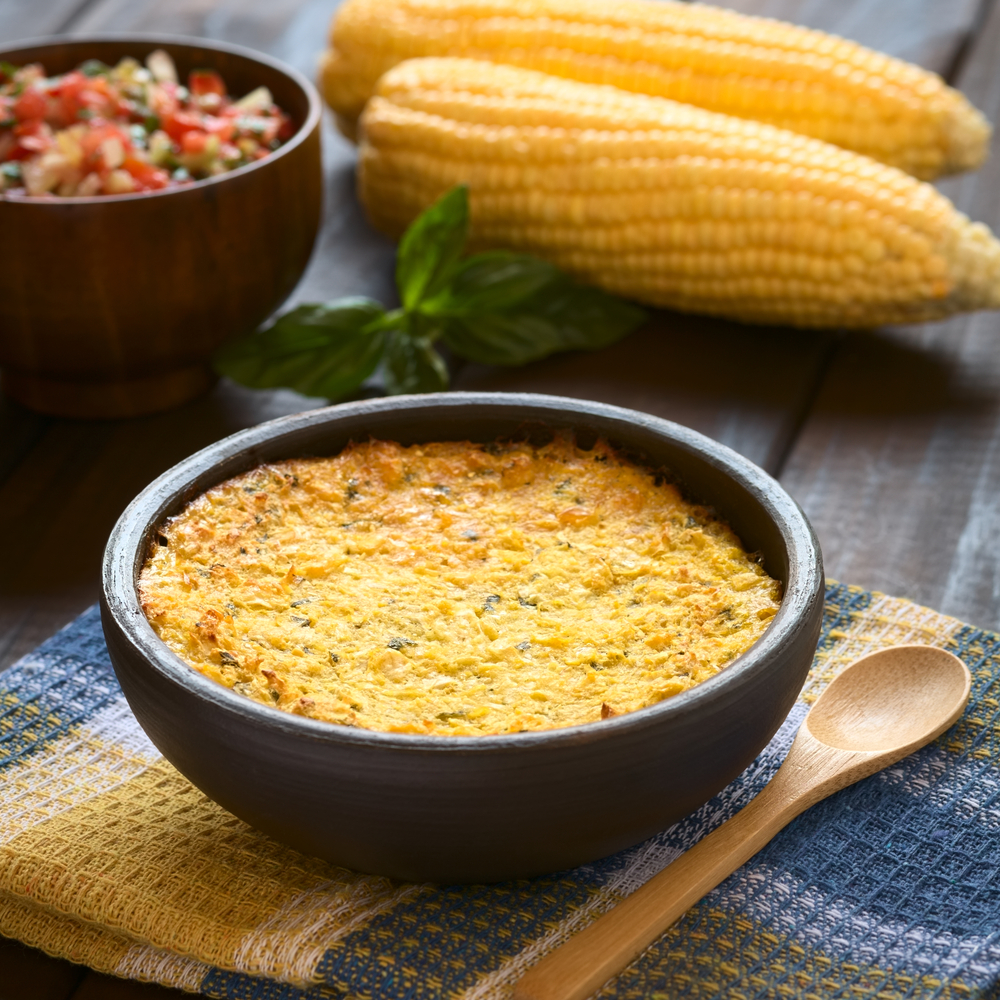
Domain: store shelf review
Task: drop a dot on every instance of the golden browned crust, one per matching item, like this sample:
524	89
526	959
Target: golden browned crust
454	588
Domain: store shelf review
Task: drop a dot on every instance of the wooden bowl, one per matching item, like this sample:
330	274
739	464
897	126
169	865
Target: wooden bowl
111	306
472	808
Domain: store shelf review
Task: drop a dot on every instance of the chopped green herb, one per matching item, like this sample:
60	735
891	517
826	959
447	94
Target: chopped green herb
94	67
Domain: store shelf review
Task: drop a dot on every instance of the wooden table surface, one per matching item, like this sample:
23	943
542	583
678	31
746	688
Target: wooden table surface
890	440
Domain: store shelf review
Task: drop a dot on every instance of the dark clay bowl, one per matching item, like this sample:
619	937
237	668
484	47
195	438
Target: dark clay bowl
111	306
464	809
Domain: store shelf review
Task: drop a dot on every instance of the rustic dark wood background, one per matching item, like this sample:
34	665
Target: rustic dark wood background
890	440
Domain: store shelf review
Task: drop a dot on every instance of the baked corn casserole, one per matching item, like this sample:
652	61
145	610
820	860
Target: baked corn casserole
455	588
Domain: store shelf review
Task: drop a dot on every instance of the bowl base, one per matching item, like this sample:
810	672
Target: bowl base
107	400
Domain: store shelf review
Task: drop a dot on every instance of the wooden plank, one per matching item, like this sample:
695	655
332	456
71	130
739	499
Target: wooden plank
30	19
926	32
32	975
898	466
744	386
22	430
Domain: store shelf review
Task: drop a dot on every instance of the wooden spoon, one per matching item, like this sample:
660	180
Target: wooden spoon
879	709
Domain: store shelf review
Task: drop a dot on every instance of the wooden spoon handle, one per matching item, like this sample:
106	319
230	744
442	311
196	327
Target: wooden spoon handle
810	772
589	959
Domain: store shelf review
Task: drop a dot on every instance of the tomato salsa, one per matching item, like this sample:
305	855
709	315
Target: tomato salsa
128	128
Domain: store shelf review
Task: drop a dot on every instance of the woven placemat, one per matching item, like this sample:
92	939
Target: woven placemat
889	889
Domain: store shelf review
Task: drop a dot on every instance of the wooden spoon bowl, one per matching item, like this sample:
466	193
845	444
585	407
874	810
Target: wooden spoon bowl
112	306
891	702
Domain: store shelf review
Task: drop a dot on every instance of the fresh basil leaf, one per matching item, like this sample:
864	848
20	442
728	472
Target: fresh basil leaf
430	248
318	350
490	282
412	365
497	339
560	316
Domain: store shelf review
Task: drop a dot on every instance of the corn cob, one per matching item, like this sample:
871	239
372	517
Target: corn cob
750	67
669	204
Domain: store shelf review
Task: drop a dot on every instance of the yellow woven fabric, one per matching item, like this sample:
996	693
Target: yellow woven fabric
110	858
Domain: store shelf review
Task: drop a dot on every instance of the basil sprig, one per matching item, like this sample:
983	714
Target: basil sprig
496	308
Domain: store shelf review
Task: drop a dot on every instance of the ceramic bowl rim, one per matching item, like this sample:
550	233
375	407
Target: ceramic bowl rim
308	126
128	539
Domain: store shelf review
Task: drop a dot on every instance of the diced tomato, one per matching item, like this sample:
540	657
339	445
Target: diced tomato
100	131
287	129
30	104
222	127
205	81
259	127
163	99
69	93
33	137
99	99
194	142
94	139
146	176
180	122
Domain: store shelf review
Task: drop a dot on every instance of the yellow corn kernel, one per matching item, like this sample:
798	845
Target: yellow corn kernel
670	204
750	67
